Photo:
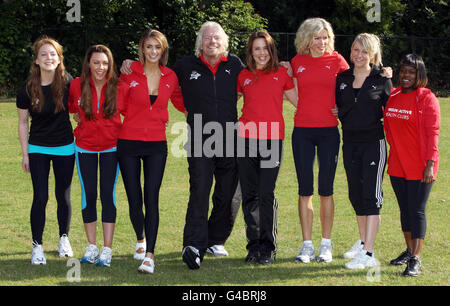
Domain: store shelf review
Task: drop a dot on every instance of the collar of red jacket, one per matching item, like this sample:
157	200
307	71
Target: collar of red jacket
214	69
420	91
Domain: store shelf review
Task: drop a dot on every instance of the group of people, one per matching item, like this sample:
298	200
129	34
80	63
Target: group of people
318	82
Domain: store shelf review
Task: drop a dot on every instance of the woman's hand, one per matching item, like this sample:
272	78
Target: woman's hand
428	176
26	163
288	66
335	111
126	67
387	72
76	117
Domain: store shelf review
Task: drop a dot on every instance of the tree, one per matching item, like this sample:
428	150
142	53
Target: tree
115	23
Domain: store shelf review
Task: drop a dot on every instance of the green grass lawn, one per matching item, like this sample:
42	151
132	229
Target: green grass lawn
15	232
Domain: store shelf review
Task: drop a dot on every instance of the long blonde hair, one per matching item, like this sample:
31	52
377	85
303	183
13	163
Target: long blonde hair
109	105
370	43
308	29
58	86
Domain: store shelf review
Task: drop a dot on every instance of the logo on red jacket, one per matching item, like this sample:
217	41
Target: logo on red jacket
301	69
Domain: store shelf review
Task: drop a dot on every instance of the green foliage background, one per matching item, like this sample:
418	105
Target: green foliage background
406	26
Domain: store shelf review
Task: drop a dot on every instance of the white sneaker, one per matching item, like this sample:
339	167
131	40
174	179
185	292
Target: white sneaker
191	256
64	248
139	256
91	255
217	250
355	249
143	268
362	261
306	254
37	255
105	257
325	253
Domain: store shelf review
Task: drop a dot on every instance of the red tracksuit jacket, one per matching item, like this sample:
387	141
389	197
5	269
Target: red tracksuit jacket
428	124
98	134
142	120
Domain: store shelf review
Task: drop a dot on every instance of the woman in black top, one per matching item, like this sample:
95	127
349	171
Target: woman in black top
361	94
44	98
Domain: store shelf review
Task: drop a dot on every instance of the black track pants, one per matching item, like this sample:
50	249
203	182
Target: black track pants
199	231
258	174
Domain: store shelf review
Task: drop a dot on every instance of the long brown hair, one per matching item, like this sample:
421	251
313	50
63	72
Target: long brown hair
34	89
109	105
161	38
273	63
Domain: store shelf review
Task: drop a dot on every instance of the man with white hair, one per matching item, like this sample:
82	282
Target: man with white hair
208	82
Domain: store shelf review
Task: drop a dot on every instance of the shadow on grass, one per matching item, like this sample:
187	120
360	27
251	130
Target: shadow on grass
170	271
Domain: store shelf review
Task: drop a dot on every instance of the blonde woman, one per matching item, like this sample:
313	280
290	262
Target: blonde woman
361	95
314	70
49	141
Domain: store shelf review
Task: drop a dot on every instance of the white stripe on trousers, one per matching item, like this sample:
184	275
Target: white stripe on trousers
381	164
275	224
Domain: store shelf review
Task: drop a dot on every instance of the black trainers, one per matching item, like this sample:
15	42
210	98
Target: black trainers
252	256
266	258
414	267
191	256
402	259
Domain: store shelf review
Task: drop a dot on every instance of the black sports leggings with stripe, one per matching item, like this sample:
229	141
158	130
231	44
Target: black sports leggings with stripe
87	165
40	170
153	166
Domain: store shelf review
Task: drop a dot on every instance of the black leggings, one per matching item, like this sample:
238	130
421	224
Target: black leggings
87	165
305	141
412	197
130	167
40	170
